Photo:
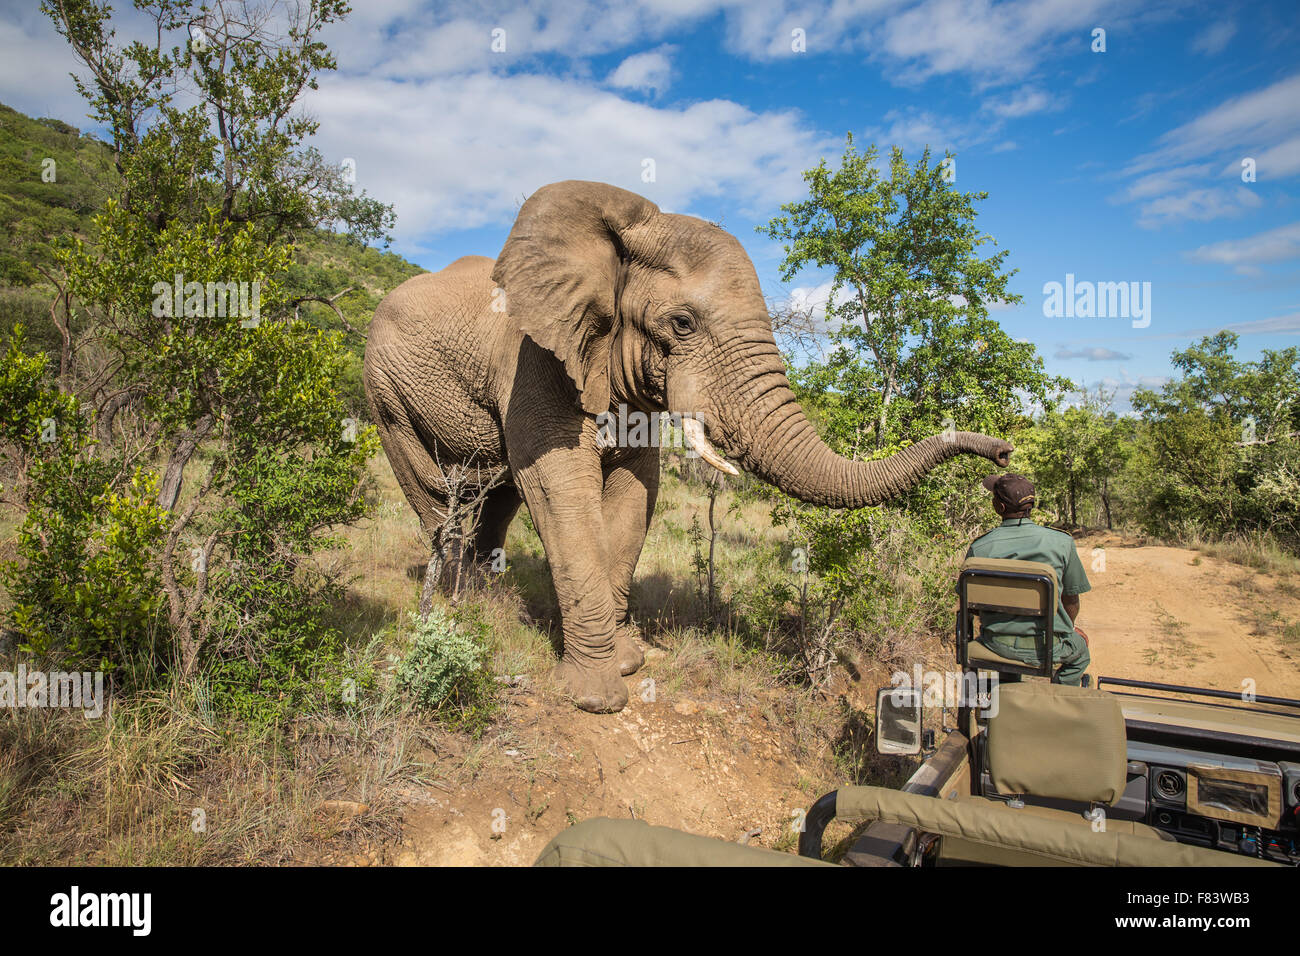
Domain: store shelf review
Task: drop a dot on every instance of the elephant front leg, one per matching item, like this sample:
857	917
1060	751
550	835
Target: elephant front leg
631	488
563	492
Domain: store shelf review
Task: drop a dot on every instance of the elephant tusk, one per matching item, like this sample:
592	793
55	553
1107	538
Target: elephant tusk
694	432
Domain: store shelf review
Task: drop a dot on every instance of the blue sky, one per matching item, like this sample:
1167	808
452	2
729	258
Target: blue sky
1114	166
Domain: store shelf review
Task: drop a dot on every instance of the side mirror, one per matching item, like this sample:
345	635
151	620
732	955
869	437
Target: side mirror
898	720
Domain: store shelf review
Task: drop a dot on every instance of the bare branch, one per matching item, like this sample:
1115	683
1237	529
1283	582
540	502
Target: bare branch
332	303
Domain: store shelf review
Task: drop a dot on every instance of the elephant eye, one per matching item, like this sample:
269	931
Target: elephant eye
683	324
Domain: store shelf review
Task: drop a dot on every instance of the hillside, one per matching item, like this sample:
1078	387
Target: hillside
36	213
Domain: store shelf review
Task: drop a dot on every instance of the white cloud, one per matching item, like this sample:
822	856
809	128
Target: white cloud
1165	181
1248	254
1215	37
1197	205
997	42
1238	127
414	40
913	130
811	299
1094	354
1176	182
993	42
1273	325
1276	162
1022	102
460	152
35	66
419	40
651	70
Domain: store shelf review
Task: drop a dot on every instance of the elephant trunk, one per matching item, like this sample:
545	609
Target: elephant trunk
774	440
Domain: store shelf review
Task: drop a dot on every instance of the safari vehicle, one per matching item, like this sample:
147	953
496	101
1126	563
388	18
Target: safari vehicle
1127	773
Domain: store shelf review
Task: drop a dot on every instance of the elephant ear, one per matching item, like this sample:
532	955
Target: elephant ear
560	271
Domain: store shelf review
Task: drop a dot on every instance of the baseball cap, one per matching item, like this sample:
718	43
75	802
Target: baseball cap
1016	492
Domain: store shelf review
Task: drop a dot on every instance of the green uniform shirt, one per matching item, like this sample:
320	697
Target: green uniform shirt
1022	540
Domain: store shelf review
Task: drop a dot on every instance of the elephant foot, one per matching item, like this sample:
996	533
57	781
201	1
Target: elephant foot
595	691
627	652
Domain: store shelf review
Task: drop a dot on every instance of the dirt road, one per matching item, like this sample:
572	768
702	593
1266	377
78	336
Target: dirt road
1173	615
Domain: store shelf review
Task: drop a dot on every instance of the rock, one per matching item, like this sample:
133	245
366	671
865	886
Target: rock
349	808
686	707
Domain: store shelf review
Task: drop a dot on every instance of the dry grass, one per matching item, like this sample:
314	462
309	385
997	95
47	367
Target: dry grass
1248	549
152	783
132	787
668	593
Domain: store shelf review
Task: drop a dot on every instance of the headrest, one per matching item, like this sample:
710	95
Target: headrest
1056	740
1008	594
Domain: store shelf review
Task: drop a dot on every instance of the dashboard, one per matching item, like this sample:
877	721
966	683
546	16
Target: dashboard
1237	804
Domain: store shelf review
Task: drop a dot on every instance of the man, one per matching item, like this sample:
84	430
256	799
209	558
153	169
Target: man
1020	539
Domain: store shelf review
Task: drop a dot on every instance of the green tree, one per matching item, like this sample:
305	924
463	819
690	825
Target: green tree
1220	446
915	349
1075	452
198	366
913	352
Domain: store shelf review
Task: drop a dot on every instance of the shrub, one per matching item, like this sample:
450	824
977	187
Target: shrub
84	585
871	584
284	660
445	669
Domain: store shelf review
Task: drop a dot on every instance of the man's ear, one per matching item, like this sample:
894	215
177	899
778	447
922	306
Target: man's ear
560	268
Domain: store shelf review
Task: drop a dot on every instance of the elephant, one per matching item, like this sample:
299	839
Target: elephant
600	301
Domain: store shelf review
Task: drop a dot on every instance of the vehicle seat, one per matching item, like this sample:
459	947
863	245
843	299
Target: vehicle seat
975	832
1056	740
1006	586
1060	742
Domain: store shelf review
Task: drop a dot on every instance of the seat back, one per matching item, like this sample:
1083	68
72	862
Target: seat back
1006	586
1028	588
1057	741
